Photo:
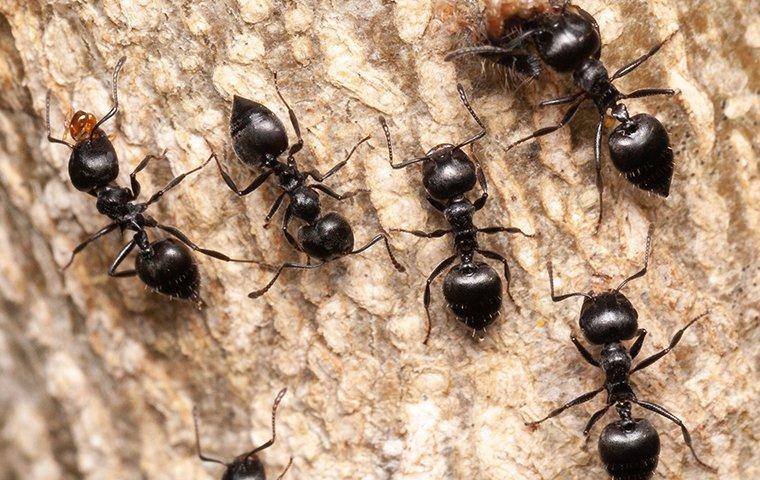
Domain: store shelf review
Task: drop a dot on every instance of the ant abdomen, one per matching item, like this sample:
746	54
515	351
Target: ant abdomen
256	132
168	267
630	449
640	150
93	163
448	172
329	237
473	292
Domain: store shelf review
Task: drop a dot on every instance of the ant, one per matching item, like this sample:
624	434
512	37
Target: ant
472	289
247	466
630	446
166	266
567	39
259	139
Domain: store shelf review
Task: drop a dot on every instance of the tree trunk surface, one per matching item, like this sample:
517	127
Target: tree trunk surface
99	377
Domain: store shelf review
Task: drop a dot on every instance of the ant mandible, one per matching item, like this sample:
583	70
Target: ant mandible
472	289
567	39
630	446
247	466
165	266
259	139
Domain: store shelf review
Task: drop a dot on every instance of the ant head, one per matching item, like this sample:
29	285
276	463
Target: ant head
608	317
82	125
447	172
304	204
567	37
640	150
473	292
630	448
257	134
245	467
93	162
168	267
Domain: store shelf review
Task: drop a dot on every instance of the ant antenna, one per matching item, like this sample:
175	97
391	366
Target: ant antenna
643	271
198	442
390	149
482	132
269	443
559	298
50	137
286	469
114	86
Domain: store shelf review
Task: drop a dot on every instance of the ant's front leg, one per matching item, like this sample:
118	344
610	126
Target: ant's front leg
134	183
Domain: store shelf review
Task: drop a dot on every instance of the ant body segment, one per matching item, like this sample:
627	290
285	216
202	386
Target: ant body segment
247	466
259	139
166	266
472	289
629	447
567	39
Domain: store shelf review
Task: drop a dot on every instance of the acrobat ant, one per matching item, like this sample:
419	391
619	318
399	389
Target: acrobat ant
567	39
472	289
166	266
630	446
247	466
259	139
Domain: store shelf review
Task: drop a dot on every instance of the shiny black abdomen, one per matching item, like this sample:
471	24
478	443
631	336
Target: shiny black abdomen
168	267
329	237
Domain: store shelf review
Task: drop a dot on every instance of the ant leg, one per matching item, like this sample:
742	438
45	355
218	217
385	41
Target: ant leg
198	442
321	178
426	296
274	208
333	193
584	353
660	410
649	92
626	69
115	95
560	100
285	231
482	132
595	418
175	181
296	147
559	298
133	176
647	252
120	258
50	137
507	275
673	342
569	114
490	230
175	232
636	347
256	183
262	291
286	469
572	403
103	231
420	233
481	201
598	165
435	203
384	238
270	442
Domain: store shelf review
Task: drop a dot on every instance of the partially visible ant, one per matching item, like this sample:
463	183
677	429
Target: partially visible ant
567	39
166	266
247	466
259	139
630	446
472	289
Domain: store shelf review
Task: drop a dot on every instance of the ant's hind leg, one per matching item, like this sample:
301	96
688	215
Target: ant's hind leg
569	114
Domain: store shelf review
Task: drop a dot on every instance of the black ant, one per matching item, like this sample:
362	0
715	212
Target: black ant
567	39
259	139
166	266
472	289
247	466
630	446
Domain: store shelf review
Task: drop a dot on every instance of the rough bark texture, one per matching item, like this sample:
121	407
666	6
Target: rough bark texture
98	376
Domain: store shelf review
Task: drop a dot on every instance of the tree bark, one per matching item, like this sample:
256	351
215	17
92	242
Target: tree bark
99	376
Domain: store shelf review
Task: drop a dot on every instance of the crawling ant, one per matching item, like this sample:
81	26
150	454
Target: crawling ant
567	39
472	289
247	466
630	446
166	266
259	139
